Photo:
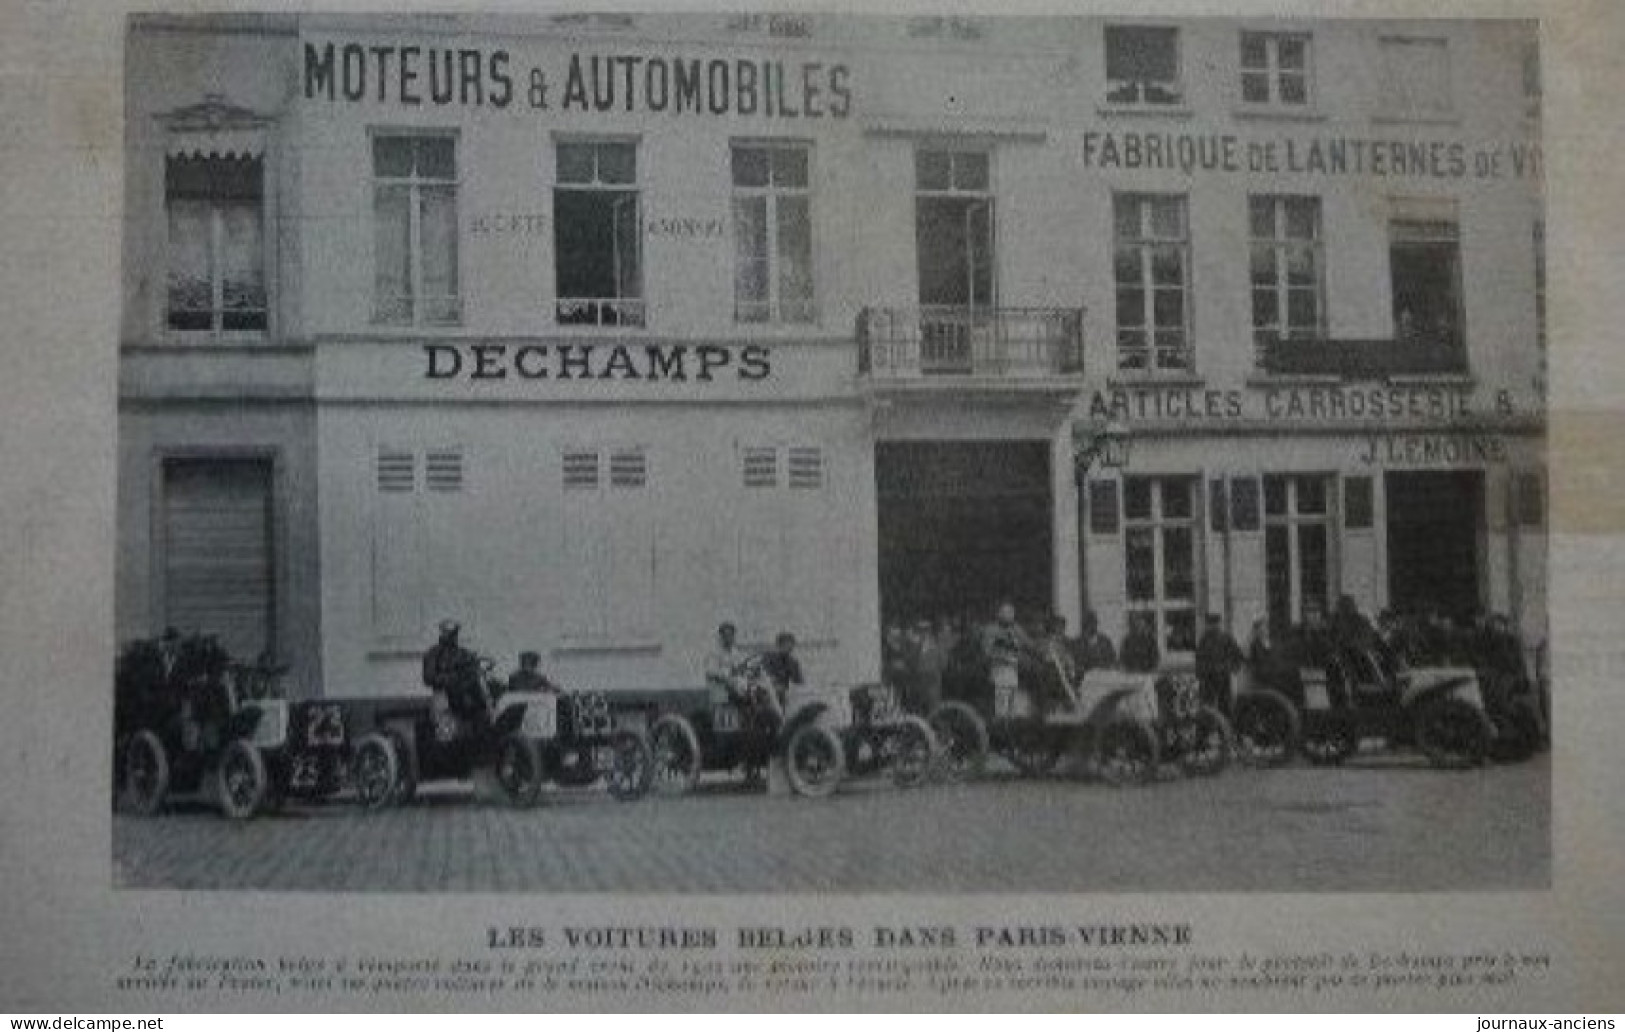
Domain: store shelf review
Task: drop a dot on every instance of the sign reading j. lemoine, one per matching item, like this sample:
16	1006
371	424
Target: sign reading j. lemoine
418	76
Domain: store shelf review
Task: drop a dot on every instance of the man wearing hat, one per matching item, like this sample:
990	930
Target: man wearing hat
450	669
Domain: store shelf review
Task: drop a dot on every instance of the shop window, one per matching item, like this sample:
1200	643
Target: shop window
1151	260
1415	77
1288	302
215	208
597	247
1358	503
1244	509
772	215
1103	514
414	198
1159	544
1218	506
1142	65
1275	69
1297	545
1424	257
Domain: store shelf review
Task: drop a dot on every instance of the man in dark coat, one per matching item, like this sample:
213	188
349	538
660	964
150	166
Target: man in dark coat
1140	654
1218	657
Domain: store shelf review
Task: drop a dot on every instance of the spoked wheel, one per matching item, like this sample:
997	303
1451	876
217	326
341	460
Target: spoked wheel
1267	730
632	769
911	751
519	770
146	773
1451	733
375	771
240	779
1032	749
1330	739
1208	745
814	761
1126	753
962	741
676	749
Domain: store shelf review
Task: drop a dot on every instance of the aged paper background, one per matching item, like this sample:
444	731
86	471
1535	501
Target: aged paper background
65	933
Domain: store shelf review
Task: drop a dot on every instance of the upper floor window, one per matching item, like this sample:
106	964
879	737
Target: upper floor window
1275	68
597	247
1142	65
1424	255
1151	262
415	215
216	281
1416	77
772	202
1286	269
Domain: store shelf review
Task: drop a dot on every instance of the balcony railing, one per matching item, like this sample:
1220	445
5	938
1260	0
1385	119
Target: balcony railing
945	341
1376	359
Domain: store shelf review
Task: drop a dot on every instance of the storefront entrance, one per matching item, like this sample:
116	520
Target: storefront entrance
1434	524
964	526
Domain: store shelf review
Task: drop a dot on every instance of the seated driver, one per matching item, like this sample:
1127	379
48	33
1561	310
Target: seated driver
453	673
782	668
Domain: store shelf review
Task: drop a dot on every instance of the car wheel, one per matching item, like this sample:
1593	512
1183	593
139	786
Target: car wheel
1208	750
1330	739
240	780
375	771
1033	749
676	749
962	741
146	773
633	766
1126	753
1267	729
519	770
814	761
1451	733
912	752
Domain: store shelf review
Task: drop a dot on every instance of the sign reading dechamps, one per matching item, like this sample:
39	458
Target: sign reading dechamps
416	76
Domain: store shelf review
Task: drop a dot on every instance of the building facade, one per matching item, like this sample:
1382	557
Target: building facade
593	331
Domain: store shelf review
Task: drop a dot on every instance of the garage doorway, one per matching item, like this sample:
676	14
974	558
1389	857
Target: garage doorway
1435	527
218	556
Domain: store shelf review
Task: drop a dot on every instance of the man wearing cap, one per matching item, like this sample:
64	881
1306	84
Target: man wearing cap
450	669
722	666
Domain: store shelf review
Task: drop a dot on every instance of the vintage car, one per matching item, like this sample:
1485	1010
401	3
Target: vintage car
526	739
824	735
1109	720
199	724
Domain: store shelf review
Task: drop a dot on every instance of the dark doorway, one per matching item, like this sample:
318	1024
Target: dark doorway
963	526
1434	524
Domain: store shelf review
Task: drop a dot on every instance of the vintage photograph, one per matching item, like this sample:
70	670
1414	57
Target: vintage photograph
713	453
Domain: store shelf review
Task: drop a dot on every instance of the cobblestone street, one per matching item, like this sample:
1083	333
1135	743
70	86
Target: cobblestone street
1380	824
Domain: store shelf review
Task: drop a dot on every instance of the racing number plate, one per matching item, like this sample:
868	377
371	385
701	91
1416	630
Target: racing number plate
603	757
1315	695
324	726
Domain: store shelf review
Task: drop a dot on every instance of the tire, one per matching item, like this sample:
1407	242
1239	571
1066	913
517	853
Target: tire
912	752
240	780
1266	728
1451	733
146	773
814	761
1517	735
406	774
375	771
676	755
519	770
962	741
1211	745
1032	749
1330	740
633	769
1126	753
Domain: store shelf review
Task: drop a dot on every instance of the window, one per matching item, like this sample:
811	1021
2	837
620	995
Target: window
1297	545
583	469
412	581
1275	68
773	276
414	198
1359	506
216	244
953	238
1424	257
597	250
1415	77
1151	262
1103	518
604	559
1142	65
1286	263
1159	544
803	465
1244	510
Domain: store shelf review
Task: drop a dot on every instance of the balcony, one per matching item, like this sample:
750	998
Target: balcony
954	345
1375	359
